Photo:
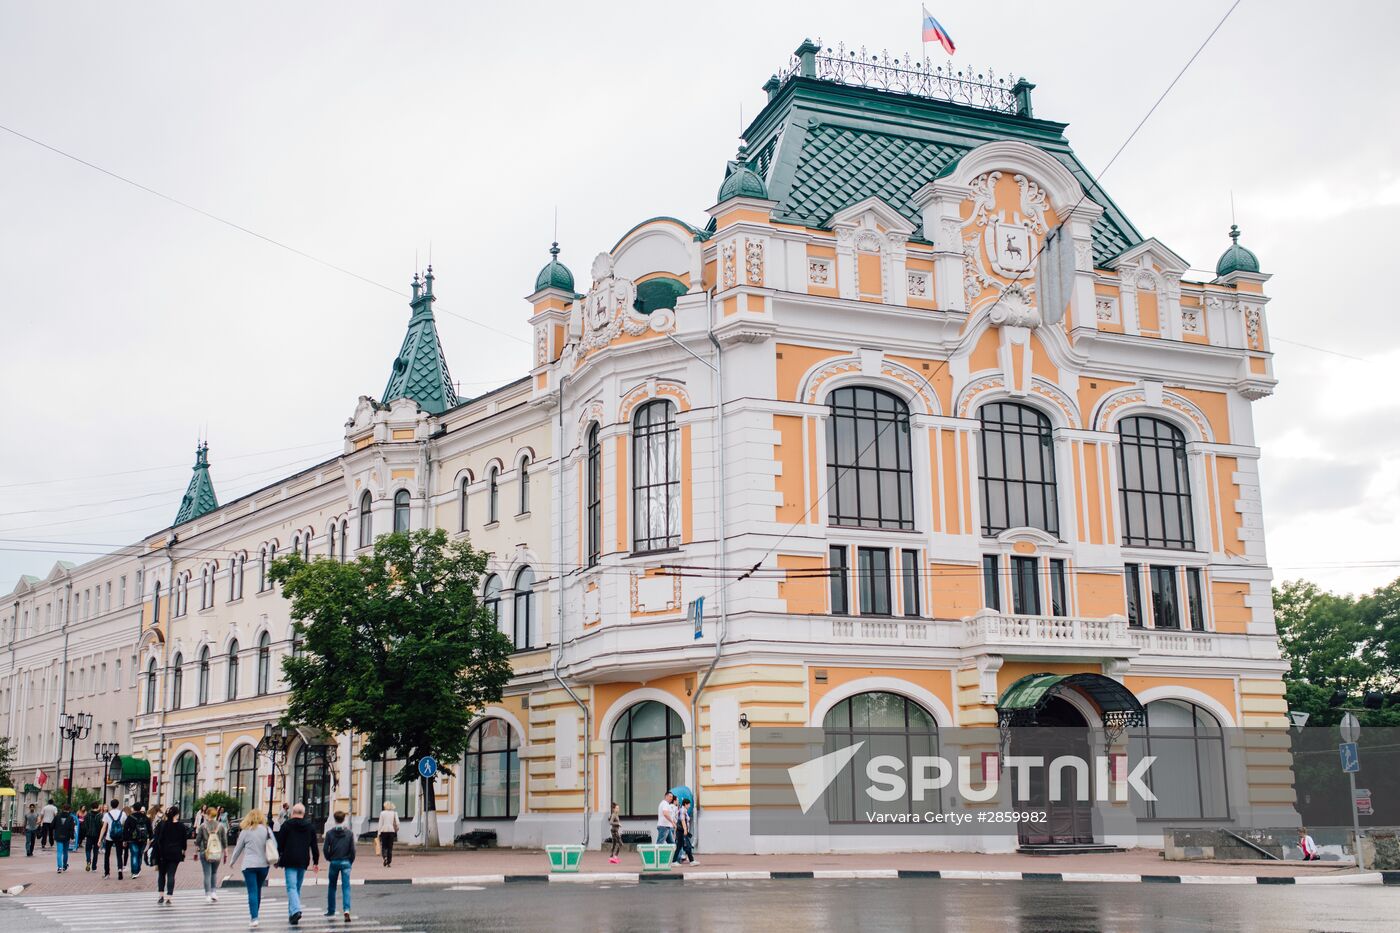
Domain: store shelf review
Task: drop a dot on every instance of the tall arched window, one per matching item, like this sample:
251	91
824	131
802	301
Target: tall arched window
1188	776
594	496
206	587
151	686
233	578
648	758
656	478
366	520
155	605
882	724
524	608
203	683
524	486
184	786
869	468
344	540
306	545
243	779
330	541
491	788
491	597
311	782
1017	482
1156	484
264	664
231	677
493	495
401	510
177	681
262	569
462	503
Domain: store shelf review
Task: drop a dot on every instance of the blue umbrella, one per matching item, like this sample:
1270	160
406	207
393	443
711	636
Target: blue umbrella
681	792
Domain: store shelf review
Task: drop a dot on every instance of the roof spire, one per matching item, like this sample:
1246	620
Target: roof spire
199	498
420	370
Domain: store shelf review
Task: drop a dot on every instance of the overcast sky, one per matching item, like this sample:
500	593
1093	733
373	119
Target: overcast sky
368	134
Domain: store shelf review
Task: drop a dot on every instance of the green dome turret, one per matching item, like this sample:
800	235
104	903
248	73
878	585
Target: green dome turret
742	181
555	274
1236	258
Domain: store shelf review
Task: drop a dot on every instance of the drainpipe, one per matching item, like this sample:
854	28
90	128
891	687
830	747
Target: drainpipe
63	690
165	653
559	617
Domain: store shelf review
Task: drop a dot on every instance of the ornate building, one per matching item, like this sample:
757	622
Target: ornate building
906	460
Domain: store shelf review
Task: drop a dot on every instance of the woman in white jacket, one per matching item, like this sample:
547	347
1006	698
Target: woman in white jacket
388	832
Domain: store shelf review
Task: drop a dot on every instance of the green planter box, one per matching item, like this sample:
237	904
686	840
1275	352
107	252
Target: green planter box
656	857
564	858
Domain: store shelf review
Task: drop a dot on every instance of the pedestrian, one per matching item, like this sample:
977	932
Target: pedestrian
666	820
169	839
91	832
615	824
258	851
388	832
31	830
339	849
283	815
1308	845
46	817
296	845
683	850
138	835
112	835
212	839
223	819
65	829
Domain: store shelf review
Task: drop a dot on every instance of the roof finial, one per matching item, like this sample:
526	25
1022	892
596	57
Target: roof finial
428	277
554	251
417	285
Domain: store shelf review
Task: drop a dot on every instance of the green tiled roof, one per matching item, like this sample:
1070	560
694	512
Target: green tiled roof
823	146
555	274
420	369
1236	258
199	497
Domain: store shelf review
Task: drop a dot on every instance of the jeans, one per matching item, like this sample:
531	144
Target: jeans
29	835
165	877
90	853
339	868
61	853
665	834
294	876
683	845
137	849
211	872
254	880
107	847
386	847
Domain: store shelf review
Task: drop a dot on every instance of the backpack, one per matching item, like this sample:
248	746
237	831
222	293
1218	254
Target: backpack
114	830
213	846
140	828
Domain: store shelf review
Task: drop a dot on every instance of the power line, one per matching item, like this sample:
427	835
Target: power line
185	464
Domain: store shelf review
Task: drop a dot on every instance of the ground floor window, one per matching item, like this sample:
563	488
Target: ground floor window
1188	777
311	782
384	788
648	757
882	724
184	788
243	778
491	778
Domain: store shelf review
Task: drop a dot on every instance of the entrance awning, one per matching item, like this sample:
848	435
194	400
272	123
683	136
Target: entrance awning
1022	702
126	769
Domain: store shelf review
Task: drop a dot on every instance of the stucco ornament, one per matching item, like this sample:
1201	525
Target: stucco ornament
608	309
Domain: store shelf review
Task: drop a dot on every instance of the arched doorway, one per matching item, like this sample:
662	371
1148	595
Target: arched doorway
311	782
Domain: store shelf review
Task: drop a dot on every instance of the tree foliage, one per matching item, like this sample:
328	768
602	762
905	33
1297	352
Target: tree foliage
1340	643
395	645
7	761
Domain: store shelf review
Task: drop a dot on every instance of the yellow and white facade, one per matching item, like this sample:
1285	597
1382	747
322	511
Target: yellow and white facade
847	412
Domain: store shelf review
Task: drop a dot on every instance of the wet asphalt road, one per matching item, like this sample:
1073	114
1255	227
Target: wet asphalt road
769	906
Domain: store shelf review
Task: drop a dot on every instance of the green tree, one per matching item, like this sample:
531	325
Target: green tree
397	646
7	761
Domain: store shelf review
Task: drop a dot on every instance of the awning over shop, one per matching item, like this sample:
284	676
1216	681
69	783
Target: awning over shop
1022	702
126	769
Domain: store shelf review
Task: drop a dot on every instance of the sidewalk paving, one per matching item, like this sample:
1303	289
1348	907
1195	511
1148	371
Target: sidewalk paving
446	865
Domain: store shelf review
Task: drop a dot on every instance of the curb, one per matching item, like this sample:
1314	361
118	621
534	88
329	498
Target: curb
1050	877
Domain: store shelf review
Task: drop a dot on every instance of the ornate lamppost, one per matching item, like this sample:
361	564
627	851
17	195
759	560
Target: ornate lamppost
274	742
105	752
73	727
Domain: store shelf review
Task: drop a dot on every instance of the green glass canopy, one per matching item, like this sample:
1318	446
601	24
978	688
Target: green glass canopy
126	769
1023	700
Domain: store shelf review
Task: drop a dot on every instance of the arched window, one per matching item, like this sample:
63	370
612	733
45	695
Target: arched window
524	608
184	785
524	486
493	495
1188	776
231	677
882	724
594	496
151	686
243	779
155	605
330	541
233	578
648	758
262	569
264	664
401	510
491	597
306	545
311	782
462	503
491	788
1156	485
366	520
177	681
383	787
344	540
206	588
656	478
869	468
1017	482
203	683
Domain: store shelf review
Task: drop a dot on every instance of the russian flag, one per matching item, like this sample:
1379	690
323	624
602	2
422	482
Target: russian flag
934	32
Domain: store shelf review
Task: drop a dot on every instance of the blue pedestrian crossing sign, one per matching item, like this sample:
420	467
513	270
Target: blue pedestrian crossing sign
1351	758
427	766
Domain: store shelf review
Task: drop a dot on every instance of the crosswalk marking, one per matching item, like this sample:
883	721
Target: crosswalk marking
93	913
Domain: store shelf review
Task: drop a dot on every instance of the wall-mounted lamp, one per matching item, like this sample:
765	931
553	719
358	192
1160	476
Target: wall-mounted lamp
743	720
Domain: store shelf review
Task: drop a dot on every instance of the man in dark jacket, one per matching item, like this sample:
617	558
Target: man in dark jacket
339	850
64	828
169	839
296	845
138	834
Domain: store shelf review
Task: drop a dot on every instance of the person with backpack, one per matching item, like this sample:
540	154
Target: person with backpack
212	840
65	829
169	841
259	852
90	831
296	845
138	834
339	849
112	835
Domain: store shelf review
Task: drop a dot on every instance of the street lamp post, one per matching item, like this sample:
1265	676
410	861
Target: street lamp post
274	742
105	752
73	727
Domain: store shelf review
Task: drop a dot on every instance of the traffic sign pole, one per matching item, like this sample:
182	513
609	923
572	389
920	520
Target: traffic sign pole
1351	732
